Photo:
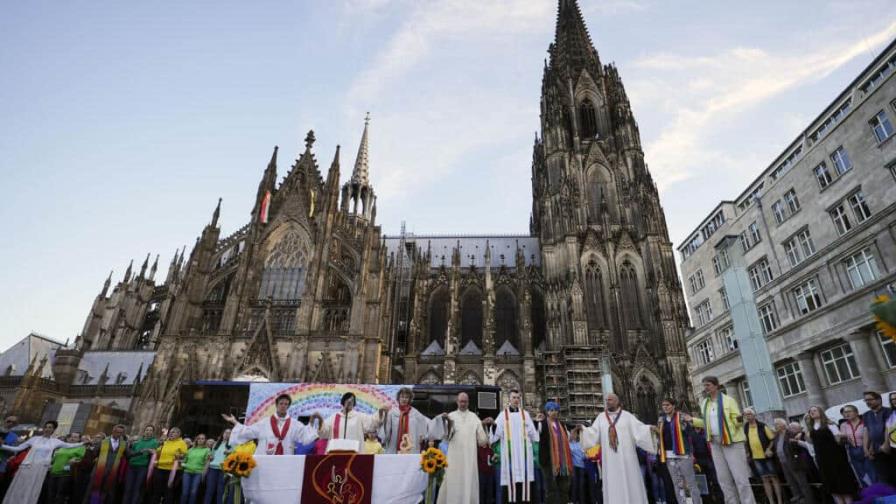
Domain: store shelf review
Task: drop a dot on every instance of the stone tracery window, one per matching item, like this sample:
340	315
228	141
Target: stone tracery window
283	277
471	317
646	400
594	296
337	304
630	297
587	119
506	327
438	316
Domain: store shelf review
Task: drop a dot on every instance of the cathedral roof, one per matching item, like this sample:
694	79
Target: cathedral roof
121	368
472	249
14	360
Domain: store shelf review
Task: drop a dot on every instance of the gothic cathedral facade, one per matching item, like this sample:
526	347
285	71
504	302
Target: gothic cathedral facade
311	290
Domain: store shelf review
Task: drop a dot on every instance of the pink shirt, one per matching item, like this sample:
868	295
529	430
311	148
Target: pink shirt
855	435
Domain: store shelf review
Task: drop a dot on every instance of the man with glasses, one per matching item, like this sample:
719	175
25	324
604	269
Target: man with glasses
875	420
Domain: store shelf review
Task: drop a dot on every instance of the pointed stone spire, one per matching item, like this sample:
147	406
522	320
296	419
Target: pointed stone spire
217	213
572	49
361	171
332	183
154	268
127	273
106	285
144	266
267	185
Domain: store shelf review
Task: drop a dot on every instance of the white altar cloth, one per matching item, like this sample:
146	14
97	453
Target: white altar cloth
277	479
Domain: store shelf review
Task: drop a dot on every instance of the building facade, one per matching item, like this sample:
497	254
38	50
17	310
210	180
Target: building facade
310	289
802	252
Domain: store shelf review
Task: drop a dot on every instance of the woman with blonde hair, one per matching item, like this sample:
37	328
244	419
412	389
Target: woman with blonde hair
830	456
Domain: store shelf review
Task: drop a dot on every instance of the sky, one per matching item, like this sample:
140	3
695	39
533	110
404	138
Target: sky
122	123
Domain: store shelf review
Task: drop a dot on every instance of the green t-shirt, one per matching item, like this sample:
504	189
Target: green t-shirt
194	460
61	458
142	459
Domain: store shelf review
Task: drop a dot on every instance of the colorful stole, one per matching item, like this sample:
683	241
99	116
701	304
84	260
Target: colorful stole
280	435
677	438
404	421
614	436
336	426
561	456
723	422
508	435
104	479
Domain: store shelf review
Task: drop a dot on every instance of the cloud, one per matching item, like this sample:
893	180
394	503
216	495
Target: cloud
729	83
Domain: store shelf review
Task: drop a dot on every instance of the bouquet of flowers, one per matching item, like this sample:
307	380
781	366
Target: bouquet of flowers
433	463
237	465
884	311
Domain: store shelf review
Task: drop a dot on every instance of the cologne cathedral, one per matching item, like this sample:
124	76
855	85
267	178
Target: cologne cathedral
310	289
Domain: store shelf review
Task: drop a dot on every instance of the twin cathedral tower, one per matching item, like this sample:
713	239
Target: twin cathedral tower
311	290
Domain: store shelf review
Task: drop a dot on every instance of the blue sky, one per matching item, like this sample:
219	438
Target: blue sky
123	122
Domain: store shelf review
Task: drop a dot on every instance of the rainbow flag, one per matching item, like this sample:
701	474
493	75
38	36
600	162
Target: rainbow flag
265	207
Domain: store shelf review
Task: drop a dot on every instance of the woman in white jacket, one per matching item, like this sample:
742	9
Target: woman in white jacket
29	479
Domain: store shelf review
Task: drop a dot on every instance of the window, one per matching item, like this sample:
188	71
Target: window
768	318
822	175
696	281
588	119
745	392
778	211
705	353
714	224
724	295
889	348
692	245
727	341
859	207
839	364
841	219
841	161
760	273
808	297
704	313
793	203
755	237
881	126
716	265
861	268
790	376
799	247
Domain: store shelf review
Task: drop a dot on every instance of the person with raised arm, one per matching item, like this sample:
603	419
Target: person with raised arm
619	433
29	478
464	432
347	423
278	434
401	421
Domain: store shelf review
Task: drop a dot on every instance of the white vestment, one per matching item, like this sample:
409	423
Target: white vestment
351	426
29	479
620	471
464	435
297	432
516	433
417	426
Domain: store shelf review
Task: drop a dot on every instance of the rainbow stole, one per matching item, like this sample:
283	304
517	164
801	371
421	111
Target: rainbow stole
723	421
677	438
508	433
104	482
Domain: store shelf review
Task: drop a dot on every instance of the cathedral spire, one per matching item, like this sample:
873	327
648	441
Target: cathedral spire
217	213
265	189
360	173
572	49
106	285
154	268
127	273
144	266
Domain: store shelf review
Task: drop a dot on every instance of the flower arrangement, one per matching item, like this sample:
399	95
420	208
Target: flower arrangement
884	310
237	465
433	463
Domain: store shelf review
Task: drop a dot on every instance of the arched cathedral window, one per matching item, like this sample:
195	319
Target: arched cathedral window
539	320
471	318
594	296
587	119
630	297
337	304
506	329
646	401
438	316
283	277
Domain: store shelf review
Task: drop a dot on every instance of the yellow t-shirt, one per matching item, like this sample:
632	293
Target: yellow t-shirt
167	453
755	445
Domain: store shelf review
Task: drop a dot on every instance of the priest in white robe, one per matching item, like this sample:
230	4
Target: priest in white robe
619	433
405	419
516	432
350	424
277	434
464	432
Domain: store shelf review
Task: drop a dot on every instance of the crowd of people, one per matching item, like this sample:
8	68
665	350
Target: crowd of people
518	456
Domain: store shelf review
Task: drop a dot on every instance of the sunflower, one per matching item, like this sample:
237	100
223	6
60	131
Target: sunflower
429	466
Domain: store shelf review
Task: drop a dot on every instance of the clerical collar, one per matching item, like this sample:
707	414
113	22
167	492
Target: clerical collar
513	409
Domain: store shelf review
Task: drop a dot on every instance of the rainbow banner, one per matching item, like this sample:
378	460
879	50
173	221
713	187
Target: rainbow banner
323	398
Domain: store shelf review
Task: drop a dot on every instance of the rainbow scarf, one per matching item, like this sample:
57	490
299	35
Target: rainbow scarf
511	488
677	438
561	457
104	479
723	421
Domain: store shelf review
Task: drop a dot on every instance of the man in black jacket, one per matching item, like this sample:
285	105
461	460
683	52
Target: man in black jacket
554	454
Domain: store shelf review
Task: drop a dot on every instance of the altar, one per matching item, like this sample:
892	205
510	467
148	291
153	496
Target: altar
279	479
